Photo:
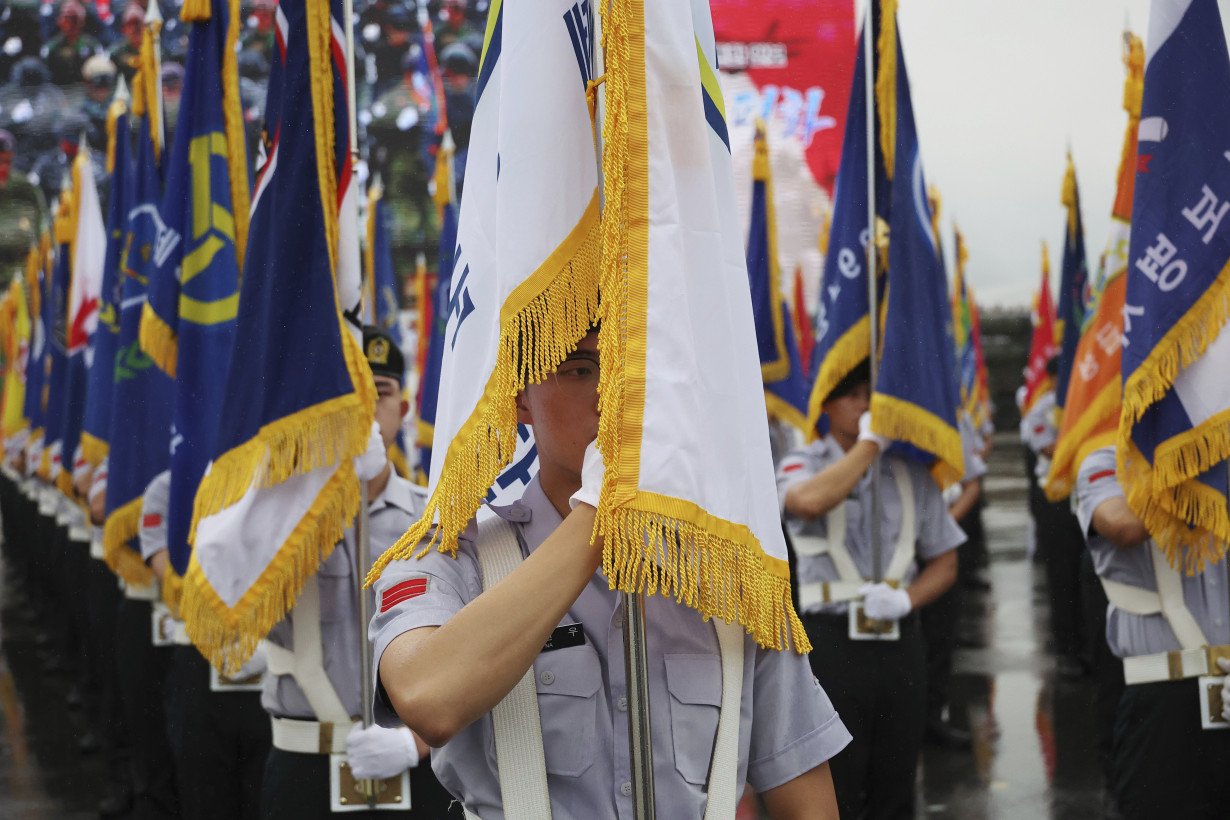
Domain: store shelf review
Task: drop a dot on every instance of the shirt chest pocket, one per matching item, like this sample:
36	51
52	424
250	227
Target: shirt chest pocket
337	592
568	681
695	686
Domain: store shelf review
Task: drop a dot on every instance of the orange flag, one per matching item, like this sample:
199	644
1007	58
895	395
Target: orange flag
1091	409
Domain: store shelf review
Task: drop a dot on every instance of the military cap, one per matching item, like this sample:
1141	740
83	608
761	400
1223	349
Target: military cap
382	353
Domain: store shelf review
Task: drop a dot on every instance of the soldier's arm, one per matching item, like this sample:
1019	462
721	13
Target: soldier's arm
809	796
816	496
936	577
1114	520
441	679
970	491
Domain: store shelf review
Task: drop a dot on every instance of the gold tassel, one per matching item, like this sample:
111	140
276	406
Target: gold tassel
196	11
886	84
158	340
121	527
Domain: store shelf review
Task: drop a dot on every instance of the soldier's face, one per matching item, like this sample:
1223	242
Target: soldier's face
390	408
563	411
844	412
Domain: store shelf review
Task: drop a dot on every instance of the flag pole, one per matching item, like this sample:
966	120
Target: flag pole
873	313
362	557
636	661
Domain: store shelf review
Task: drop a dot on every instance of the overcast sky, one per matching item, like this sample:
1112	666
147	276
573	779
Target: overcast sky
1000	89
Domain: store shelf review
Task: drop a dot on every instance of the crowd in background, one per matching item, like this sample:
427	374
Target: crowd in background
61	62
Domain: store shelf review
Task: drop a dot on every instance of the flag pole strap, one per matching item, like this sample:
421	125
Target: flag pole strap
873	313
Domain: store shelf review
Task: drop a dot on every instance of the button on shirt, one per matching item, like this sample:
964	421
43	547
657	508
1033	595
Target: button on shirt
1205	594
788	725
389	515
937	532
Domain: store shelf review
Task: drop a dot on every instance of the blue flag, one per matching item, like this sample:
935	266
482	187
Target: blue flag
140	393
915	395
380	280
55	320
785	383
96	428
843	338
433	336
281	488
35	370
188	324
1073	283
1174	434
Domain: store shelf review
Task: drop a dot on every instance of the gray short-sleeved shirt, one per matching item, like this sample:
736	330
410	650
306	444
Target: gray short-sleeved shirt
389	515
1206	594
155	502
937	532
1039	426
788	724
971	443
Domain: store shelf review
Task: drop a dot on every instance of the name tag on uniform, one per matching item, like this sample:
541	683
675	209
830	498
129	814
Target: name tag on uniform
564	637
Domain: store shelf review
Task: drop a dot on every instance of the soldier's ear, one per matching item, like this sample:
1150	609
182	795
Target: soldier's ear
523	409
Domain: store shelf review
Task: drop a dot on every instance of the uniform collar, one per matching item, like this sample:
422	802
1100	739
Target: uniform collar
401	494
534	512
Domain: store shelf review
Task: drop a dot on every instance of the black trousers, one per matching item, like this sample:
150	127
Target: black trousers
142	677
1107	669
879	689
220	741
103	595
1062	544
1165	765
297	788
938	620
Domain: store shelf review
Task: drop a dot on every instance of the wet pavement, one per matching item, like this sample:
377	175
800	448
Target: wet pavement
1034	753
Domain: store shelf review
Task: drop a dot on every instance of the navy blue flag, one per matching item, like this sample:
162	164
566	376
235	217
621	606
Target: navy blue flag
1073	283
915	395
188	324
785	382
1174	432
433	336
34	403
843	339
141	393
281	488
55	320
382	307
96	429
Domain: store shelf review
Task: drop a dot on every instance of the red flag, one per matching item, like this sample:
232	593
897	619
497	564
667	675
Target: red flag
1042	347
803	328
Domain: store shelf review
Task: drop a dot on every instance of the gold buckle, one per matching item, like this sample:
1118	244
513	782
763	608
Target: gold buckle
326	738
1174	664
1213	654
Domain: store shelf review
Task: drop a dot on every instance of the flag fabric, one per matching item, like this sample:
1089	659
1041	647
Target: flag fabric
188	322
87	253
1073	282
843	324
141	394
1042	343
37	282
804	328
96	426
381	305
1090	417
981	404
963	332
914	399
55	362
432	335
781	369
281	488
17	357
671	260
1174	434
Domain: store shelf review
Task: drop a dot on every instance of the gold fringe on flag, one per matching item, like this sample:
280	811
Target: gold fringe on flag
158	340
762	172
886	83
93	449
117	109
851	350
122	526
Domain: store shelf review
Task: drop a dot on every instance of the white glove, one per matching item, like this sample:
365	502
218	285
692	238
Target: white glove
865	434
377	753
1224	665
592	471
884	603
369	465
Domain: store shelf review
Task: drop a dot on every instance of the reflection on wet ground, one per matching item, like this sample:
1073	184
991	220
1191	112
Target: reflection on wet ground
1034	753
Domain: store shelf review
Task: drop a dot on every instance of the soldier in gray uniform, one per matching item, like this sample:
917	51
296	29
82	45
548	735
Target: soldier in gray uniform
878	686
1168	628
313	691
448	653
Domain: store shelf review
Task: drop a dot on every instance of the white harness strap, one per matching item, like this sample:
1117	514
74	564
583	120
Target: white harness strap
520	758
1176	613
306	662
724	788
834	546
